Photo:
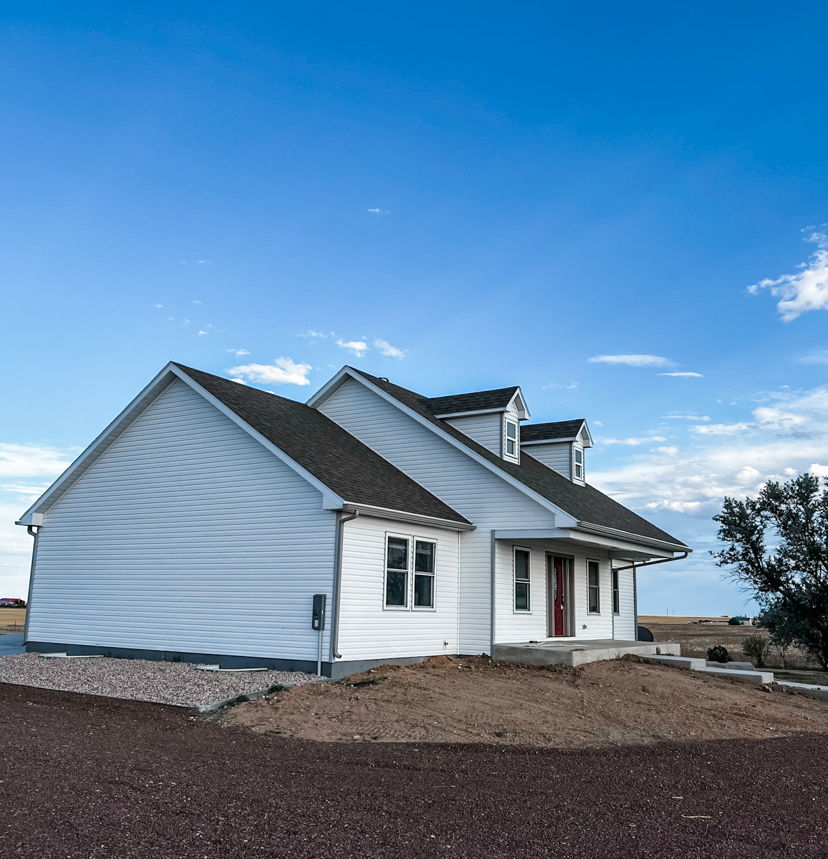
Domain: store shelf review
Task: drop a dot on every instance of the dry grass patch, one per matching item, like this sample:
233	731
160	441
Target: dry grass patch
477	700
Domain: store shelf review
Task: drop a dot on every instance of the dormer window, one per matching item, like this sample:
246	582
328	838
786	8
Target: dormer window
578	471
510	448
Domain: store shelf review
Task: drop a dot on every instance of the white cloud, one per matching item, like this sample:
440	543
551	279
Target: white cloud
28	460
634	441
668	450
158	306
388	350
818	356
311	334
283	371
632	360
202	332
686	416
26	492
376	211
239	353
565	386
723	429
777	419
356	347
804	291
686	374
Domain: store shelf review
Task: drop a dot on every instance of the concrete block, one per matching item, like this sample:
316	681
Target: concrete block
733	666
688	662
759	678
809	689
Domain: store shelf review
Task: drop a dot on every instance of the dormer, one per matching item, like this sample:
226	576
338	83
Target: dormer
559	445
491	418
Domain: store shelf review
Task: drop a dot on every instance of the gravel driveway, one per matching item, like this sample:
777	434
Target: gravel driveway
179	683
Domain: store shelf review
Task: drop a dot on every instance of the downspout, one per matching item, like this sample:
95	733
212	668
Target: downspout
33	532
493	607
341	519
635	567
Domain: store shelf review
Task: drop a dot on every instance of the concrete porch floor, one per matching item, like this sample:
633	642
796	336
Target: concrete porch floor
575	652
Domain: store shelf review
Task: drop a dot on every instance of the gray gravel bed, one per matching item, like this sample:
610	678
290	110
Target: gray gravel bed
140	679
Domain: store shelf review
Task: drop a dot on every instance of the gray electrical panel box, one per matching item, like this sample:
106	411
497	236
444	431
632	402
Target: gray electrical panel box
318	614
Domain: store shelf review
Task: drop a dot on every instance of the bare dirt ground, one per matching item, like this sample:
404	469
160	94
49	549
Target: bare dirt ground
475	700
95	778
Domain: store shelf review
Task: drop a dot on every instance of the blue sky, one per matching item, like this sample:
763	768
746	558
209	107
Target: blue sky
481	194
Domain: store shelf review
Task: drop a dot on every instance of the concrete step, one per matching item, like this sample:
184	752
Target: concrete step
732	666
809	689
759	678
688	662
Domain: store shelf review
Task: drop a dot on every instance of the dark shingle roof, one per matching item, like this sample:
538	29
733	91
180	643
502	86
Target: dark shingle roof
335	457
585	503
473	402
552	430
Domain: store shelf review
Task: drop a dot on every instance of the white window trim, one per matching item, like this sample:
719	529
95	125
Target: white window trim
512	457
412	540
433	607
575	464
598	564
615	577
515	609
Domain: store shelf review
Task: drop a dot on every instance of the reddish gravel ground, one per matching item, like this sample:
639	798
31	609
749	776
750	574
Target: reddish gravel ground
82	776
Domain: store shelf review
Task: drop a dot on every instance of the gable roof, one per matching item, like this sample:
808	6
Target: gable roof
327	451
587	504
551	431
476	401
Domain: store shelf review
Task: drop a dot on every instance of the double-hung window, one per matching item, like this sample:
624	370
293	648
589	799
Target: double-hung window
593	587
578	469
409	572
522	581
424	574
396	572
616	594
511	439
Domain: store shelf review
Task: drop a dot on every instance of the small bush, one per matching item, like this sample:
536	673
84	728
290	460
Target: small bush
756	648
718	654
738	620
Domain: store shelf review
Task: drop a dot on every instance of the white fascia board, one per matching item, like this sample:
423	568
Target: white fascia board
521	408
403	516
550	441
316	400
586	434
560	514
591	528
330	500
158	382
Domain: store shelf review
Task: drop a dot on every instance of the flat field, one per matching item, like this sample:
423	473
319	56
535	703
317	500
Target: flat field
12	619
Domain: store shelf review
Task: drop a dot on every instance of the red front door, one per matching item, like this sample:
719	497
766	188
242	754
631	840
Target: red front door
558	597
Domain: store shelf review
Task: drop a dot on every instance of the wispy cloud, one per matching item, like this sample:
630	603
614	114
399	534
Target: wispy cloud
388	350
632	360
804	290
283	371
355	347
28	460
686	416
197	301
377	211
27	493
566	386
312	334
818	356
684	374
239	353
723	429
635	441
158	306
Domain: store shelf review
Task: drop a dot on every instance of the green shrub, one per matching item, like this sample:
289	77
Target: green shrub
718	654
737	621
756	647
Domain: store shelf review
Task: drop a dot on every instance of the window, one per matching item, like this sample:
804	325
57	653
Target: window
522	583
511	439
616	594
579	464
396	572
424	574
593	587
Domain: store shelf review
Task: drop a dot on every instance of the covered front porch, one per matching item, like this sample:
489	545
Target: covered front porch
574	653
568	596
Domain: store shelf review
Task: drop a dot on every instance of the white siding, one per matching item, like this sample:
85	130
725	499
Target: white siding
511	625
185	535
471	489
558	456
484	429
625	619
370	631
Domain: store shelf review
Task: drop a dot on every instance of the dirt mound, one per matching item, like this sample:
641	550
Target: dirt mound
476	700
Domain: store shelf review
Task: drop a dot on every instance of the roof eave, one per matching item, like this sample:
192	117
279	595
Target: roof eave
406	516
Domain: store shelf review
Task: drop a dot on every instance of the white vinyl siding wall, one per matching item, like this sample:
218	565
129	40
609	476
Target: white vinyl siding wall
625	619
185	535
470	488
484	429
557	456
370	631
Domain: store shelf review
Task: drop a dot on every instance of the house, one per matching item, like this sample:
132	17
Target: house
211	521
